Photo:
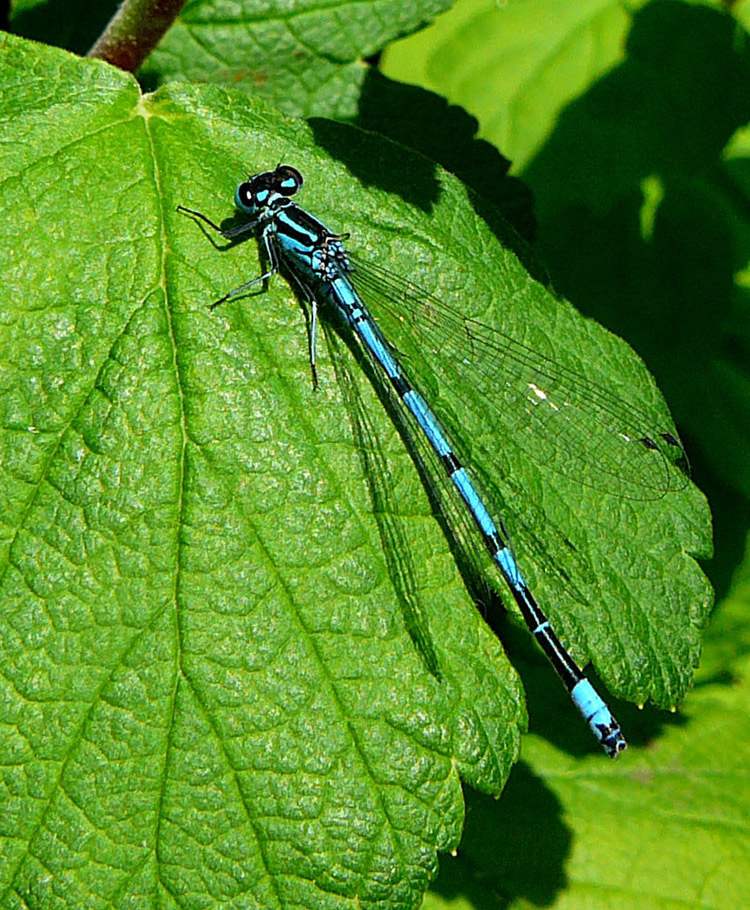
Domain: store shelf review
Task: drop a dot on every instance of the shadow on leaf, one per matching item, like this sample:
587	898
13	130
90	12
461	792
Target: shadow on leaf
514	848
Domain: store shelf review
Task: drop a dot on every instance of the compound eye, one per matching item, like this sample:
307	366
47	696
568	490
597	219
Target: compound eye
245	197
288	180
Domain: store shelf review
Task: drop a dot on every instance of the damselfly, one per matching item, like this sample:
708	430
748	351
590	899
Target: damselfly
572	418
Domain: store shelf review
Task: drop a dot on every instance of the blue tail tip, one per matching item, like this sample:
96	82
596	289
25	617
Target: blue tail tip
612	739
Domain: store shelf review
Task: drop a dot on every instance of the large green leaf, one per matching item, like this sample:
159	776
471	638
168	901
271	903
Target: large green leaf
214	687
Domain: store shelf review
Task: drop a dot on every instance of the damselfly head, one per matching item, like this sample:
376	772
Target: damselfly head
259	189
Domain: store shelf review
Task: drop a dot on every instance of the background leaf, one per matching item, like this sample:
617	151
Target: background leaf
514	65
306	58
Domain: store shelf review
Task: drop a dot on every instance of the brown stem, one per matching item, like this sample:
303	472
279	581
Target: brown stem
134	31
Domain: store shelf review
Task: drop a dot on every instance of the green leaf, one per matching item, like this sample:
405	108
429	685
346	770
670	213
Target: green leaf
214	686
307	59
208	690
